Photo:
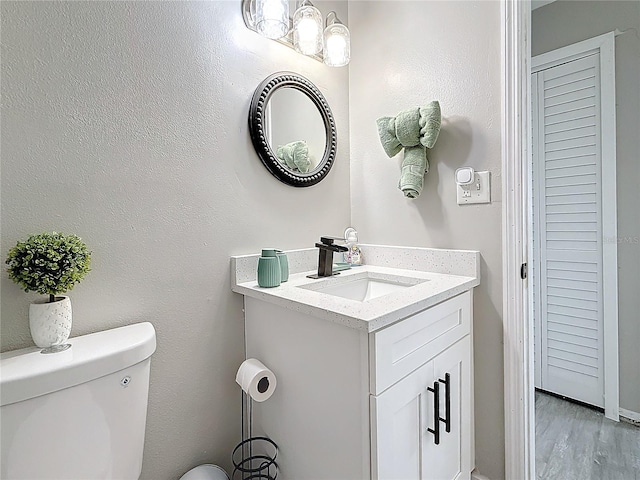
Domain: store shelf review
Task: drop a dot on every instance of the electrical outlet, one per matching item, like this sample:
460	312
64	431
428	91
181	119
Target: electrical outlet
477	192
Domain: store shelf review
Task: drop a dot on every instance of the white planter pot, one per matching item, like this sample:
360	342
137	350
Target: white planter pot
50	323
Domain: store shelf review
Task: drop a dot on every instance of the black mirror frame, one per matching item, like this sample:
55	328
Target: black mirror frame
256	128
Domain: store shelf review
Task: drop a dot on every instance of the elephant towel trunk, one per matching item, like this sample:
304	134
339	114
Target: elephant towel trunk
414	165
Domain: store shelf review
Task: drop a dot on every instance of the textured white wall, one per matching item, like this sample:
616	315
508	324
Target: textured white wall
126	123
405	54
563	23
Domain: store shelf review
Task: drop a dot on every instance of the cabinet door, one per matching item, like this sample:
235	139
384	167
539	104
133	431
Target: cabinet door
399	420
451	459
403	447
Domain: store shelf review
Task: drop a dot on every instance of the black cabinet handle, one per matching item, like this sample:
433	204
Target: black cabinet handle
447	402
436	412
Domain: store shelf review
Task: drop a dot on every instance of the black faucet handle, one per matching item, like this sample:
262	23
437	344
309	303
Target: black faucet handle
331	247
330	240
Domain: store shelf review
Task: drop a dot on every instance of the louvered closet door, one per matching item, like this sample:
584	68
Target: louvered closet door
567	230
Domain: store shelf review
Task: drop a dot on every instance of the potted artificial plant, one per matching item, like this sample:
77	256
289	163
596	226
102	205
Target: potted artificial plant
50	264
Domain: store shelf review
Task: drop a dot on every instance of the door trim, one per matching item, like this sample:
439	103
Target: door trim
517	332
515	28
604	45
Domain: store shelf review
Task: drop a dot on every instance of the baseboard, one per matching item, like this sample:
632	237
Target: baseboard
629	416
476	475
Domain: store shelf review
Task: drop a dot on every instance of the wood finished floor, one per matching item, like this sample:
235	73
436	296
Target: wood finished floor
577	443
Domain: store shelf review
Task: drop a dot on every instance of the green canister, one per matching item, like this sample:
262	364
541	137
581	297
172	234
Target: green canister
284	265
269	272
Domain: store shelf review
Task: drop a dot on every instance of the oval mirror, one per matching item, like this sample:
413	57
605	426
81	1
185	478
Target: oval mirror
292	129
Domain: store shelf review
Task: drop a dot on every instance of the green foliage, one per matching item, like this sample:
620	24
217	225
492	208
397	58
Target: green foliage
49	263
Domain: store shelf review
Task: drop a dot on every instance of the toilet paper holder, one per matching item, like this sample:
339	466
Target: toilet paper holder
254	457
249	464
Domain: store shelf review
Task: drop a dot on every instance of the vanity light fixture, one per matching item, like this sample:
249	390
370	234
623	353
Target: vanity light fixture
307	29
272	18
337	42
303	32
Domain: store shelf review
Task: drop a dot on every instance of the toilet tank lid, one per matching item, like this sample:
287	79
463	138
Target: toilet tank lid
27	373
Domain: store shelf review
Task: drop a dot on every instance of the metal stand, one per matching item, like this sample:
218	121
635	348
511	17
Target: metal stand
248	464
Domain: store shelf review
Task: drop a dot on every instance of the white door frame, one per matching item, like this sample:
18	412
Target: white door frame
604	45
518	331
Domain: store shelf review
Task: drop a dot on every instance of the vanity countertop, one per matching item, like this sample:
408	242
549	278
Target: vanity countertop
370	315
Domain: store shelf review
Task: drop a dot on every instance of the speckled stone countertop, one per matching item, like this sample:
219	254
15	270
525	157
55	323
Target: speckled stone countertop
420	267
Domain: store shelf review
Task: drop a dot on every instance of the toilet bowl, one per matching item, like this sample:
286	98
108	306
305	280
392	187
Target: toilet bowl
205	472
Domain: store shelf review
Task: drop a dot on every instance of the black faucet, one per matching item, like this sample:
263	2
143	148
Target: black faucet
325	259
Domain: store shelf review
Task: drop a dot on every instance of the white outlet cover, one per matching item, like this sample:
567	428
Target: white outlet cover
477	192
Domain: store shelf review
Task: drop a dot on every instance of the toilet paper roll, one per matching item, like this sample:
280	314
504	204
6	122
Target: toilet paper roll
256	380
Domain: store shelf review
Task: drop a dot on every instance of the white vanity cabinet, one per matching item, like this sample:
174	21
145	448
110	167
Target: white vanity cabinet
415	437
421	423
354	404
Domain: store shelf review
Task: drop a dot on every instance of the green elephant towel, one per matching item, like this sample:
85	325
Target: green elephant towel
295	155
415	130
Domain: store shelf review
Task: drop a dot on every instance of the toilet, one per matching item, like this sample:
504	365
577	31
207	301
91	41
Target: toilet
80	413
205	472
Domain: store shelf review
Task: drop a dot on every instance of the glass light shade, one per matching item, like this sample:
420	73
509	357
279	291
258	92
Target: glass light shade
307	30
272	18
337	45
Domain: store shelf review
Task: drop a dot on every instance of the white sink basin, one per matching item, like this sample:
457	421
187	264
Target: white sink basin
364	287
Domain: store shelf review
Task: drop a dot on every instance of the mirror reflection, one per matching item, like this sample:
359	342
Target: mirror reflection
295	130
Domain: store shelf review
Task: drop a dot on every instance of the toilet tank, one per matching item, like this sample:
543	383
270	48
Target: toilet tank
78	414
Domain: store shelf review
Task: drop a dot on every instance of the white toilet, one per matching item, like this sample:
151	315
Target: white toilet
205	472
80	413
